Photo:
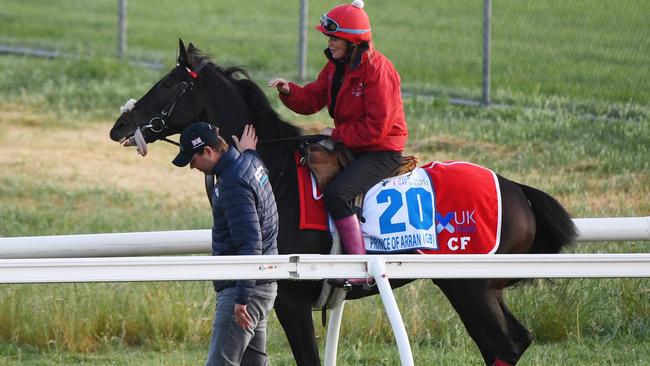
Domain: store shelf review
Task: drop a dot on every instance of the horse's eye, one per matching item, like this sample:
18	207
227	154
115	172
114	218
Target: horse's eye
167	84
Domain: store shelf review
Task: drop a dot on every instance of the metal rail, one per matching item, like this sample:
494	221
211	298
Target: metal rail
316	267
198	241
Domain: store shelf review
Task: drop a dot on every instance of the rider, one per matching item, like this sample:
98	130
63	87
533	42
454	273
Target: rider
361	90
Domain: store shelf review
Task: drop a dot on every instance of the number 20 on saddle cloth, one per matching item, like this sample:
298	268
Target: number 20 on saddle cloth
439	208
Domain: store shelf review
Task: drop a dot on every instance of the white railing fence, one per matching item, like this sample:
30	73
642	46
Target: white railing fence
28	269
315	267
198	241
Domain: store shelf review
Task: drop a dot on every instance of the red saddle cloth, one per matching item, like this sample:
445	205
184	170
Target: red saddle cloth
313	215
467	208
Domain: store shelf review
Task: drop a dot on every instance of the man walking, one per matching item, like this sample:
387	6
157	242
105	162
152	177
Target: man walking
245	223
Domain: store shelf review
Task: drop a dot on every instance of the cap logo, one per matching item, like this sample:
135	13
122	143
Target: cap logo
197	142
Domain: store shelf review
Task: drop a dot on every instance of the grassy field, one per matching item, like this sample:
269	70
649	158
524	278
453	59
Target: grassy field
578	127
590	50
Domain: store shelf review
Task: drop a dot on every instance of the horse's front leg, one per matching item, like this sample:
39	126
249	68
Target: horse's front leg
293	310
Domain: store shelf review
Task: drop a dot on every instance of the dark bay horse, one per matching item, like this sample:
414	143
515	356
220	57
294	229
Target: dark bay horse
199	90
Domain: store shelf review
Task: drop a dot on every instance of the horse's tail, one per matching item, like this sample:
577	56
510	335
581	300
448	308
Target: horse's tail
555	229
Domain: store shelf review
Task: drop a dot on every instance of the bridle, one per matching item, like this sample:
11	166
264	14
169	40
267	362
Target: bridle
158	124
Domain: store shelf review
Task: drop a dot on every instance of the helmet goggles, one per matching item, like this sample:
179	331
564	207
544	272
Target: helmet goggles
331	26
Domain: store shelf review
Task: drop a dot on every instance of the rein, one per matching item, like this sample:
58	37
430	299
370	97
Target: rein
210	178
301	138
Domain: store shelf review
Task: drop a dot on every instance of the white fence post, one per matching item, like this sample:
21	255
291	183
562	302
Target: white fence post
121	29
302	40
487	20
333	331
377	269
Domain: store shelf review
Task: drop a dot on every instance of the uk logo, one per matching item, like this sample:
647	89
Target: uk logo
197	142
444	223
456	221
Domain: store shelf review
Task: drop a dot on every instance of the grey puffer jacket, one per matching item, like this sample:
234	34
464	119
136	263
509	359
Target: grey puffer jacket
244	213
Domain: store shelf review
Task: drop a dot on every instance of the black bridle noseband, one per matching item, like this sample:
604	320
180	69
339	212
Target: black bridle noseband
157	124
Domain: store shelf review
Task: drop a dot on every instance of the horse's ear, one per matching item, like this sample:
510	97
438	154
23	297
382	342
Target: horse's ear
191	49
182	53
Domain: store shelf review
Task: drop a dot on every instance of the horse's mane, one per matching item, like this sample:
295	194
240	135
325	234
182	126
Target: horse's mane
266	119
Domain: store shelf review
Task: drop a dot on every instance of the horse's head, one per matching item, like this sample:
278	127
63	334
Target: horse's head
199	90
167	107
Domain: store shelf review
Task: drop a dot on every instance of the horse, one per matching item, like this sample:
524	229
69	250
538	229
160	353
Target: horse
197	89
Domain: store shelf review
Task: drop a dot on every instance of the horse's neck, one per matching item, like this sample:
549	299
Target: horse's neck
277	159
227	106
224	106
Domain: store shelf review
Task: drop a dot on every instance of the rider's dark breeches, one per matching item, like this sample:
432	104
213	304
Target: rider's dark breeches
367	169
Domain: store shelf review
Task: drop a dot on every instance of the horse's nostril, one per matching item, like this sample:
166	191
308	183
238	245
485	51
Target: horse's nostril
113	133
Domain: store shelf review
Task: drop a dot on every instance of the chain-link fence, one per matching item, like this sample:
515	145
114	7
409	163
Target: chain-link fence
590	49
597	49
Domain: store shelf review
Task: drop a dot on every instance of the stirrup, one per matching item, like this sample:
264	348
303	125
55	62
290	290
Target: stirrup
348	284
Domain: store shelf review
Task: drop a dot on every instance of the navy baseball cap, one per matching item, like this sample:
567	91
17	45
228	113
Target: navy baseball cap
193	139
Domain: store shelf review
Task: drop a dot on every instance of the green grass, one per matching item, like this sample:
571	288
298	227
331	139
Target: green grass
586	50
168	323
575	77
626	351
94	87
45	208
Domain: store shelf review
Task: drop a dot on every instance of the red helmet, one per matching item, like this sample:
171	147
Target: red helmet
349	22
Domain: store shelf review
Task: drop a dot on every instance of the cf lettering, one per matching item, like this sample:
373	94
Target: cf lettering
453	244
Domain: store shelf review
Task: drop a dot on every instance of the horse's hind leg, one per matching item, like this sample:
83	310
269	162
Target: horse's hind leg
481	311
519	334
294	314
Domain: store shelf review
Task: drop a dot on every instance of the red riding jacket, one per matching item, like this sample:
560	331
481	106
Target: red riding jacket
368	113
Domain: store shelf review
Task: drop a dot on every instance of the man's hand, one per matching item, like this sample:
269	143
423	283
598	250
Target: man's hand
248	139
242	318
280	84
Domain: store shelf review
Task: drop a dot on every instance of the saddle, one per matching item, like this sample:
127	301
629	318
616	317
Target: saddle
327	158
462	217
